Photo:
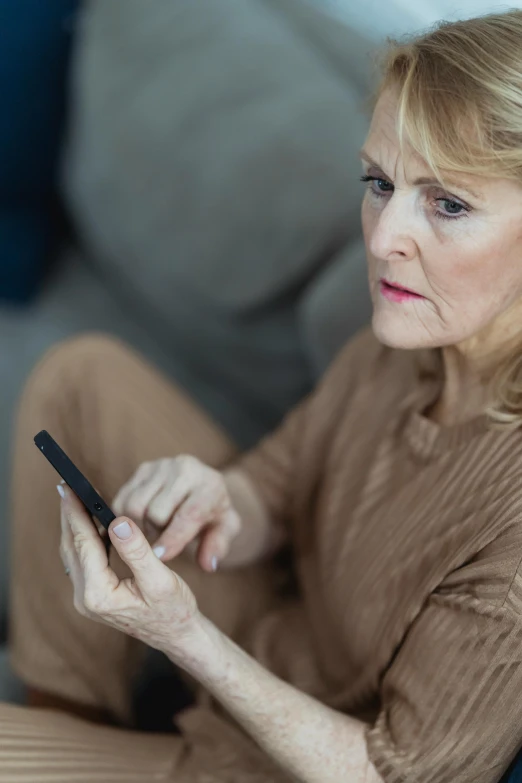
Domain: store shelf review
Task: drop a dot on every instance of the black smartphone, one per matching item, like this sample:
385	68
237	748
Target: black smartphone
74	478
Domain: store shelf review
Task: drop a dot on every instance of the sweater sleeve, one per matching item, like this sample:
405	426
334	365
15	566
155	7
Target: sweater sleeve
452	698
271	464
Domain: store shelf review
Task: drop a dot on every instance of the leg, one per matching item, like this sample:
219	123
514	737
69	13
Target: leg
38	746
111	411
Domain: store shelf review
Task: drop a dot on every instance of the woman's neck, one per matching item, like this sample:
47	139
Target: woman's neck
469	368
464	394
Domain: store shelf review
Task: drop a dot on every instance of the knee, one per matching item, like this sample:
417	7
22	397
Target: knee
74	362
81	349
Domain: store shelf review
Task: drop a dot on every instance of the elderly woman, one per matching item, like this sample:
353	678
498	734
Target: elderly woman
395	652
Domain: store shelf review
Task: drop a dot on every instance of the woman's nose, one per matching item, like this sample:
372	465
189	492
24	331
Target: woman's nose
392	233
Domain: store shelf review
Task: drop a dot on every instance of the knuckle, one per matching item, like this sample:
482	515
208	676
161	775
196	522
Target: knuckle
144	468
139	552
210	489
135	506
189	518
164	588
158	513
167	466
188	463
92	601
79	542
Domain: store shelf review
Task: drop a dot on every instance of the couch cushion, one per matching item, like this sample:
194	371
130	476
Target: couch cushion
336	304
212	148
33	59
212	169
343	47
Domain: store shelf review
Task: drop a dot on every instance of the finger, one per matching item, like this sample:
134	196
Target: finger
150	530
135	551
216	541
136	502
141	474
184	527
67	551
72	565
87	544
168	500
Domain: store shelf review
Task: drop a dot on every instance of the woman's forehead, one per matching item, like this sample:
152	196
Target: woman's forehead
382	149
387	158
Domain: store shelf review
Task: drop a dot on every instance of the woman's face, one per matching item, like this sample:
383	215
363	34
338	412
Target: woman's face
460	252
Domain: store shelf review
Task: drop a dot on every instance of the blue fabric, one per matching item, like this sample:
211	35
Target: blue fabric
514	773
34	45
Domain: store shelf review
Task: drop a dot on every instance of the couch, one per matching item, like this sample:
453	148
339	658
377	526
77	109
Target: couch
210	173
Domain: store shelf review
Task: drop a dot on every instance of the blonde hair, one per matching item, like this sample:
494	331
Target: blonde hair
459	92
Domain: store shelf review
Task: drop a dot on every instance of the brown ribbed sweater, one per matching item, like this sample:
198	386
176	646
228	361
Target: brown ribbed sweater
408	541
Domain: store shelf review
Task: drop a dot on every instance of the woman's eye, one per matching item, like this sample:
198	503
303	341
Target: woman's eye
450	206
452	209
383	185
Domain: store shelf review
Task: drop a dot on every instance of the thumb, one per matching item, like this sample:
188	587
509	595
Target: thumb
134	549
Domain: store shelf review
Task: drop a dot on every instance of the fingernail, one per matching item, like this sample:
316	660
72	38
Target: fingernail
61	490
214	563
123	530
159	551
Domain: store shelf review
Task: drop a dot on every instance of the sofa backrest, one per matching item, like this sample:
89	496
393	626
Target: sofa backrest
213	148
212	171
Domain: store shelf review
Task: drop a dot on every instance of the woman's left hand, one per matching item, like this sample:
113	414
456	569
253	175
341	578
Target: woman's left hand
153	605
308	739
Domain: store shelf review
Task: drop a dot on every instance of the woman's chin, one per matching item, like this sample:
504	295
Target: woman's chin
395	333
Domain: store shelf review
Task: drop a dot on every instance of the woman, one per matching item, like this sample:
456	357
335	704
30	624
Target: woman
397	654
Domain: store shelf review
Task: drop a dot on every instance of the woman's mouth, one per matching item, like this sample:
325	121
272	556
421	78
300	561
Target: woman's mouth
397	293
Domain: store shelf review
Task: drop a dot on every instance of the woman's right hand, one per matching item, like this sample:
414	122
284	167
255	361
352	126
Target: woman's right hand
188	502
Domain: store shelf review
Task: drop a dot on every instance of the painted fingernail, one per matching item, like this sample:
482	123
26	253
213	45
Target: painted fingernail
159	551
214	563
61	490
123	530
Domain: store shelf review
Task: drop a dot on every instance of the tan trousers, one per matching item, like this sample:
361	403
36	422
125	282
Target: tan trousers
110	411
